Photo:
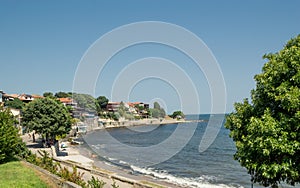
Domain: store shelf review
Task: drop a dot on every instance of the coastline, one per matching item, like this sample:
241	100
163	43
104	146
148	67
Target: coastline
84	155
108	124
91	164
122	173
130	175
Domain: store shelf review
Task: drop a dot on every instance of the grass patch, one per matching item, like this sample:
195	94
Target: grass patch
15	174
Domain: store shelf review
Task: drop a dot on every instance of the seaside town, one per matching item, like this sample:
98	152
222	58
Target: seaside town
90	113
85	116
149	94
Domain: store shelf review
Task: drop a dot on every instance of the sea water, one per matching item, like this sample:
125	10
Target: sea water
171	153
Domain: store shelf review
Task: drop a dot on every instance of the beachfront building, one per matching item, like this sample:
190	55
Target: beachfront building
9	97
142	109
23	97
113	106
131	108
68	102
76	111
138	109
37	96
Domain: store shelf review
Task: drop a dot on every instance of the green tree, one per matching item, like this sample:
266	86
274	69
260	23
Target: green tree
267	131
48	94
61	94
16	104
154	112
114	116
156	105
11	144
101	103
47	117
157	111
85	101
139	107
177	114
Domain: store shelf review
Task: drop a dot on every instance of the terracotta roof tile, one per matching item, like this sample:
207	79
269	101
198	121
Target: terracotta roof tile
65	100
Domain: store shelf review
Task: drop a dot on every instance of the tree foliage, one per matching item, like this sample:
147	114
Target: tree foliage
48	94
101	103
47	116
16	104
62	94
157	111
267	131
85	101
156	105
10	142
177	114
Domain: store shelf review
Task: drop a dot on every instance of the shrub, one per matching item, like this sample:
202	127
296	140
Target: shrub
11	144
114	185
96	183
74	176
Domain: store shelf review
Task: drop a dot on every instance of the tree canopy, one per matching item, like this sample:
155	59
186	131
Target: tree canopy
10	142
48	94
62	94
267	131
157	111
177	114
85	101
101	103
16	104
47	116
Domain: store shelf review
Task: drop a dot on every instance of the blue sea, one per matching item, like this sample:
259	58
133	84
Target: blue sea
171	152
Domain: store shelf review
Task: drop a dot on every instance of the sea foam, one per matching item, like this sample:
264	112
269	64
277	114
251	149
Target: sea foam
189	182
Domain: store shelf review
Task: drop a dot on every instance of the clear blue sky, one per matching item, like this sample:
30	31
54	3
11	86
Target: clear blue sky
42	42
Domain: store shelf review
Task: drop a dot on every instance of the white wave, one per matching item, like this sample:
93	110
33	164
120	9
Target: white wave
98	146
107	163
189	182
123	162
112	159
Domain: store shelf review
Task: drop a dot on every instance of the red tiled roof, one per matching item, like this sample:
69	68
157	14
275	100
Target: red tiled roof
11	95
134	103
37	96
25	97
65	100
